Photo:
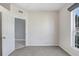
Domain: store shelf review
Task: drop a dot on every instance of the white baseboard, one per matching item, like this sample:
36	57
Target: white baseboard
66	50
11	52
41	44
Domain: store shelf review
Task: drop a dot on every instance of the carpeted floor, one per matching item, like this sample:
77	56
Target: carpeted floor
19	44
39	51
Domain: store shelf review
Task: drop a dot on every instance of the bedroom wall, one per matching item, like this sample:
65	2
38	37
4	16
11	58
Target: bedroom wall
43	28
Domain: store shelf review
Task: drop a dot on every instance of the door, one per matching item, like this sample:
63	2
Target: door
8	43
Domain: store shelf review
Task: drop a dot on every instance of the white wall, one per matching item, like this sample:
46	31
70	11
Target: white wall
65	31
43	28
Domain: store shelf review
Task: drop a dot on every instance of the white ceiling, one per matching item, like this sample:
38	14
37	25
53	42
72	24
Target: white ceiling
40	6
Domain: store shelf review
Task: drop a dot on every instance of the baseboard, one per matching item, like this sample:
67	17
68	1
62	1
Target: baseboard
41	44
66	50
11	52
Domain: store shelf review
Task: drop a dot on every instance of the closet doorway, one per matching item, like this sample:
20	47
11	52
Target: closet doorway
19	33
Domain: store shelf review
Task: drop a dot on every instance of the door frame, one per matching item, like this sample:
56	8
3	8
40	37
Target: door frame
1	33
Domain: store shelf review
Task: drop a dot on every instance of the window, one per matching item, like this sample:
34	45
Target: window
76	27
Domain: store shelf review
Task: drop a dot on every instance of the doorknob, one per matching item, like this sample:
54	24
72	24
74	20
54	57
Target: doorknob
4	37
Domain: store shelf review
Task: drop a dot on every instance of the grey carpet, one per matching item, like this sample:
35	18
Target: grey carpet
39	51
19	44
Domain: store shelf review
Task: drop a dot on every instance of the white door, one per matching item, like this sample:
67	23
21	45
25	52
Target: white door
8	42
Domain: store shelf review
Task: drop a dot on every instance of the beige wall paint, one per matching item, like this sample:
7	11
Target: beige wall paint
65	31
43	28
